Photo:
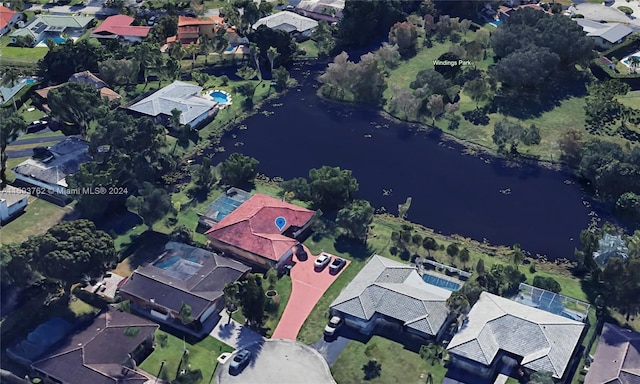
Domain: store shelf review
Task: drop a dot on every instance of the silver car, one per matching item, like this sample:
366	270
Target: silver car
322	261
333	325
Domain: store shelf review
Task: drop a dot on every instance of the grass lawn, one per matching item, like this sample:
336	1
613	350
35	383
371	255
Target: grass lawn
202	356
283	287
310	48
38	217
19	56
30	116
399	365
20	147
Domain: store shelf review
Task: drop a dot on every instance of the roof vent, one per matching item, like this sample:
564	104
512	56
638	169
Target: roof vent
152	300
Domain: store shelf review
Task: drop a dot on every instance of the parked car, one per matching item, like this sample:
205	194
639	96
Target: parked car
289	8
240	359
337	264
322	261
334	323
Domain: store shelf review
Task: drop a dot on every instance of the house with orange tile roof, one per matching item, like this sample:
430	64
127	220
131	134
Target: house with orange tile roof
190	29
119	27
250	232
8	18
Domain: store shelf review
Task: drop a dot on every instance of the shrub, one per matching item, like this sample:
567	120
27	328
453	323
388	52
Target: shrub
577	16
548	283
532	268
224	79
626	10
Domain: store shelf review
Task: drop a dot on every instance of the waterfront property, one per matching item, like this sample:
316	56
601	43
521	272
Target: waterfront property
184	97
290	22
105	351
251	234
610	246
182	275
43	27
386	291
47	175
502	335
119	27
13	201
604	35
191	29
617	358
222	207
552	302
8	18
86	77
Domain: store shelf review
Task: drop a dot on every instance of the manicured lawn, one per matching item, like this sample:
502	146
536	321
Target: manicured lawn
39	216
202	356
399	365
30	116
283	287
20	147
19	56
310	48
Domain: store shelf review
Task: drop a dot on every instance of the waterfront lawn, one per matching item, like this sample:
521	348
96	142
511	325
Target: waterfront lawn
38	217
399	365
202	356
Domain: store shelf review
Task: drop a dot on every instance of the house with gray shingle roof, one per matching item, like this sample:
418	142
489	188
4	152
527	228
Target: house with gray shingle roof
388	290
289	22
178	95
604	35
43	27
617	358
499	331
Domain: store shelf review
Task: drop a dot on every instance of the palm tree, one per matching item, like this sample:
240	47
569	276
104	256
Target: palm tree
372	369
431	352
177	52
206	46
192	50
50	44
231	298
634	63
541	378
457	303
10	80
272	54
145	58
254	51
517	256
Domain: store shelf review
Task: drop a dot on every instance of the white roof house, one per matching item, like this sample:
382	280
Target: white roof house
544	341
177	95
611	32
610	246
394	290
12	201
288	22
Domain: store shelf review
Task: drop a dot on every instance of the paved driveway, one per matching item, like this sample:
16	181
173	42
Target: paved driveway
233	333
609	13
308	286
278	362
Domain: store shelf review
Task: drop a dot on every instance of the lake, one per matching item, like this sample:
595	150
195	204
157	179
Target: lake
454	193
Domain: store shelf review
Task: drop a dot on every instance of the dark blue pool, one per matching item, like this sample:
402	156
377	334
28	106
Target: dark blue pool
440	282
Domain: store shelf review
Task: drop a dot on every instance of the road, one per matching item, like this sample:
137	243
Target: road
609	13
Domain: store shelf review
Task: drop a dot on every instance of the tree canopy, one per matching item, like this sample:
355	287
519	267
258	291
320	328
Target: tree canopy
11	125
76	103
152	204
331	187
265	37
355	218
239	170
361	82
68	58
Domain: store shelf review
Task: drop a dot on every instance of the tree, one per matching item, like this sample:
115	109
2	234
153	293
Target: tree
192	50
298	186
571	143
152	204
231	293
201	78
253	301
356	218
452	250
281	77
119	72
254	53
185	313
388	56
372	369
323	38
541	377
10	80
405	36
472	291
265	8
547	283
25	41
205	175
12	125
198	7
331	187
272	54
265	37
435	105
478	90
362	82
517	256
430	244
17	5
220	41
628	207
69	58
239	170
431	352
457	303
71	250
480	267
167	26
181	234
403	103
527	68
75	103
464	256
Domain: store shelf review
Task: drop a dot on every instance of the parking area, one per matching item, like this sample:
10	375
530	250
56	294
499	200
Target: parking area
278	361
308	286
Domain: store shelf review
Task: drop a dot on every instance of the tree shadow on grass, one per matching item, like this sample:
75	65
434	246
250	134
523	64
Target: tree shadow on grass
146	248
527	105
354	248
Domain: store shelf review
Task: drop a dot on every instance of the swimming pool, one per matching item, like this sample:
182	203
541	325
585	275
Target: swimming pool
166	263
496	23
440	282
220	97
59	40
627	61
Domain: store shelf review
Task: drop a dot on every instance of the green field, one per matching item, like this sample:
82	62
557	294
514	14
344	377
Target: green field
202	355
39	216
17	56
399	365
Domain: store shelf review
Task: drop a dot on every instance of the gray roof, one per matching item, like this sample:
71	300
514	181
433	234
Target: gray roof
52	23
11	195
196	278
67	157
297	22
177	95
612	32
617	358
95	354
610	246
397	291
322	6
544	341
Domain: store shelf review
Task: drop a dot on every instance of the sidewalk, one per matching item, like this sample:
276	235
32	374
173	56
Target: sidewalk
233	333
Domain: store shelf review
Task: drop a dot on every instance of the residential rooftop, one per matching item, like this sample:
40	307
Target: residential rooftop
617	357
287	21
11	195
495	324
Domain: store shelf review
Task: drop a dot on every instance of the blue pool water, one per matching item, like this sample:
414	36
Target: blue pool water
59	40
230	48
440	282
626	61
497	22
30	81
219	97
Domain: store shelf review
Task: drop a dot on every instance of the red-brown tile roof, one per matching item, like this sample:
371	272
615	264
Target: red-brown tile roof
184	21
252	226
121	25
6	15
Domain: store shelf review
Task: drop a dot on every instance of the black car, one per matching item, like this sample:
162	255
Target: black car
337	264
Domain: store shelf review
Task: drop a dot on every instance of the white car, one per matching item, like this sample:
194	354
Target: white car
322	261
332	325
